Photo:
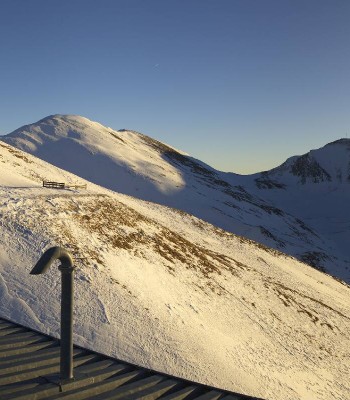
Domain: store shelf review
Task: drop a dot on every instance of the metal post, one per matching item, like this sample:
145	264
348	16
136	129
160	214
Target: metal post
66	362
67	269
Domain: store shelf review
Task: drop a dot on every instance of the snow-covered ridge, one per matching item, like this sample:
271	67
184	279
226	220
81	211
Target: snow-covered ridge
252	206
164	289
330	163
316	188
70	141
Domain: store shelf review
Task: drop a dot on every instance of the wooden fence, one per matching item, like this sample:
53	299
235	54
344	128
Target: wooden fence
54	185
61	185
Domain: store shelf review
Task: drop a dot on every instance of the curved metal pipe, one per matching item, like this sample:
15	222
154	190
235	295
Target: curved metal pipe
66	268
50	256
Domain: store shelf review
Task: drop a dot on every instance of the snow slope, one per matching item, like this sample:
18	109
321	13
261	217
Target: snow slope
316	188
134	164
164	289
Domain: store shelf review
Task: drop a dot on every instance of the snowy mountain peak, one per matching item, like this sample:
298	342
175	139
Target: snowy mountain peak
51	128
127	160
342	141
131	163
330	163
75	127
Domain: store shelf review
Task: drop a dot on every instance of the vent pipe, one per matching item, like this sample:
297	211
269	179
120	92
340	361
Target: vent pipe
67	269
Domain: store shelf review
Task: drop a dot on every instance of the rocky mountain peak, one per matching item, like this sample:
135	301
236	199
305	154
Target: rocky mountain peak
330	163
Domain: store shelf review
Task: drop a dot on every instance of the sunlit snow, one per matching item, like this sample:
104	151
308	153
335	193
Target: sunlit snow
279	208
166	290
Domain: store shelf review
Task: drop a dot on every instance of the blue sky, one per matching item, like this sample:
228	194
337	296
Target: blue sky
239	84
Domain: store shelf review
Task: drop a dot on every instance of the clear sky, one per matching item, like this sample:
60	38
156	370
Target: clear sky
239	84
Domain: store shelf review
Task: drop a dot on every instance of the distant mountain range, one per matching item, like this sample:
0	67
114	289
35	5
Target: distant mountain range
300	208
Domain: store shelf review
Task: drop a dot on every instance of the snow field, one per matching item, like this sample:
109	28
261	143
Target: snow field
166	290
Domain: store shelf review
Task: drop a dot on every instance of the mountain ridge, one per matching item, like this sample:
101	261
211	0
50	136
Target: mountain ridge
309	165
138	165
162	289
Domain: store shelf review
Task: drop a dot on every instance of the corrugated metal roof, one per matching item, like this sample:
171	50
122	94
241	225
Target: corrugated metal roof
30	364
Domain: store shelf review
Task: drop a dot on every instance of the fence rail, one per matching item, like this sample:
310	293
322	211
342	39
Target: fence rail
61	185
55	185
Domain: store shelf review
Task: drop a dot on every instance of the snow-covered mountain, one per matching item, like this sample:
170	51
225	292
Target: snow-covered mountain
131	163
331	163
166	290
316	188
